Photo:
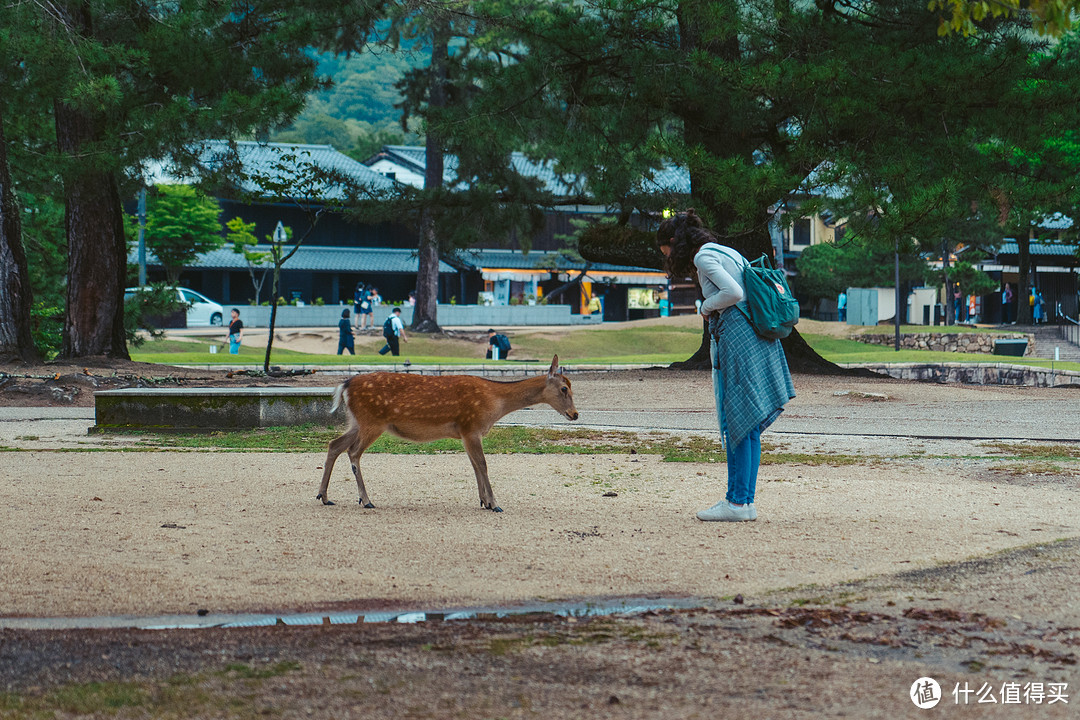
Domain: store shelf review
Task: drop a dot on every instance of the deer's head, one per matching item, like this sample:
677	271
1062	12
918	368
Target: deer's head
557	392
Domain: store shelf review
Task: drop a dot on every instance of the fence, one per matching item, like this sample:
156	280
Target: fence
1069	331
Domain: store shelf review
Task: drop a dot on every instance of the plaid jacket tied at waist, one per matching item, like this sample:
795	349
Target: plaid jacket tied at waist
754	372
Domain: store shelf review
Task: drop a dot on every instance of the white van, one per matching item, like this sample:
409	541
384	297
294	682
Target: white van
202	311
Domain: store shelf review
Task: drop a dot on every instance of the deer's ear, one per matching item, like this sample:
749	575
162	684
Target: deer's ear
554	366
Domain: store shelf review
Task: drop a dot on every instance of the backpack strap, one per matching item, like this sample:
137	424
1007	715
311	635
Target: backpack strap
743	264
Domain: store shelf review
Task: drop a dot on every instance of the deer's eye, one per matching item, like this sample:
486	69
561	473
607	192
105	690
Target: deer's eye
565	390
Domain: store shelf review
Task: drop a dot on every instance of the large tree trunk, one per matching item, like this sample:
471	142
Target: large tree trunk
16	340
704	126
97	252
425	312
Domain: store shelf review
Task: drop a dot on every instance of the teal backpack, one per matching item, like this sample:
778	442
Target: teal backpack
769	305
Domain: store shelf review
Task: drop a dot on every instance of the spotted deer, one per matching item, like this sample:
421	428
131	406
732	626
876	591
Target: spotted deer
425	408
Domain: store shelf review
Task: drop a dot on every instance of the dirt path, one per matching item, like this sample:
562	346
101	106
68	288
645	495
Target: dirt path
897	558
851	650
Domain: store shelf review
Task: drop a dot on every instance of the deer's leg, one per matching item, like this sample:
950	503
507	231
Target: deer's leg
363	441
475	449
336	447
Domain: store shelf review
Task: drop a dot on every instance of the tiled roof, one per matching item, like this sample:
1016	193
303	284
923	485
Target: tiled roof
668	179
316	259
1057	221
1009	247
279	162
561	185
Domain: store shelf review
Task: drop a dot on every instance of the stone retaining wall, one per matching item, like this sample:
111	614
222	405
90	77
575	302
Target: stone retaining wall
483	316
949	342
975	374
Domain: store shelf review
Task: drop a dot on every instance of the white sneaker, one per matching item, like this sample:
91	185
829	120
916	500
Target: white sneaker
753	511
723	512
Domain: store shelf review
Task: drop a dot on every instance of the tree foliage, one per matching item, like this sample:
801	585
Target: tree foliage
487	198
827	269
244	243
358	113
181	224
146	310
1050	17
970	280
883	115
125	83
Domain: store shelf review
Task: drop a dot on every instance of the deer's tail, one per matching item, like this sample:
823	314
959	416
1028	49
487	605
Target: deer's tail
339	394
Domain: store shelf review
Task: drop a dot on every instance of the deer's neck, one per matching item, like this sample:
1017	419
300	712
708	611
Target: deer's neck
521	394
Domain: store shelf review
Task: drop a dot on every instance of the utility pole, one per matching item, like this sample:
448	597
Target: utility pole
896	280
142	237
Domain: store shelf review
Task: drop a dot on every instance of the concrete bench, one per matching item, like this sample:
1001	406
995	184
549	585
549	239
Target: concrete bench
204	409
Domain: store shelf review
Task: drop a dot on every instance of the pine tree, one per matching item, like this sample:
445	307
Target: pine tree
488	199
754	97
136	81
16	296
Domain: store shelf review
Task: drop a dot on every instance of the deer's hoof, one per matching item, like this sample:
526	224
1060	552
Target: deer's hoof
324	500
496	509
367	506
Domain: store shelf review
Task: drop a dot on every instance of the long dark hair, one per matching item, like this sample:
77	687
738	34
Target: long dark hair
685	233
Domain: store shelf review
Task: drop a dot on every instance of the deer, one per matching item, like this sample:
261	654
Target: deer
425	408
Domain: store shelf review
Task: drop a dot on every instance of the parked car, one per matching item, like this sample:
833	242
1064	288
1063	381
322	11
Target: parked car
201	312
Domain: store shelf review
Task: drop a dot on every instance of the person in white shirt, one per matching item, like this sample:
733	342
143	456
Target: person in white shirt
393	329
751	381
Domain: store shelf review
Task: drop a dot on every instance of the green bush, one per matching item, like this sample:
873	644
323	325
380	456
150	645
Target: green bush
47	329
145	310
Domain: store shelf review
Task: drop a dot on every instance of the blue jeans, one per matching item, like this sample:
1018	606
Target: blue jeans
742	459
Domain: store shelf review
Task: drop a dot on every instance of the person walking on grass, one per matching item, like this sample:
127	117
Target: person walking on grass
393	329
751	381
345	334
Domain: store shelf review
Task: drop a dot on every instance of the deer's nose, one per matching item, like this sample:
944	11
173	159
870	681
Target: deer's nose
572	415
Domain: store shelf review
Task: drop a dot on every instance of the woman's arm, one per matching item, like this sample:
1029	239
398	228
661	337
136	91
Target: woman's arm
728	290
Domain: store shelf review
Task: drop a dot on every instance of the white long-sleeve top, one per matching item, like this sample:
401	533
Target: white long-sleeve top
720	271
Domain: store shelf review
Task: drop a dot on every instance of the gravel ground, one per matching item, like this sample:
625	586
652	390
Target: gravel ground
914	556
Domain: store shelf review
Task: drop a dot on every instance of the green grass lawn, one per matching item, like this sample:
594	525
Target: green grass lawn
848	351
648	344
653	344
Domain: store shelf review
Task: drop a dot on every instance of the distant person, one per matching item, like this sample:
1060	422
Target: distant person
595	305
236	332
499	342
375	297
665	304
972	316
345	334
958	305
365	314
358	300
393	330
412	299
1037	308
1007	316
841	306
